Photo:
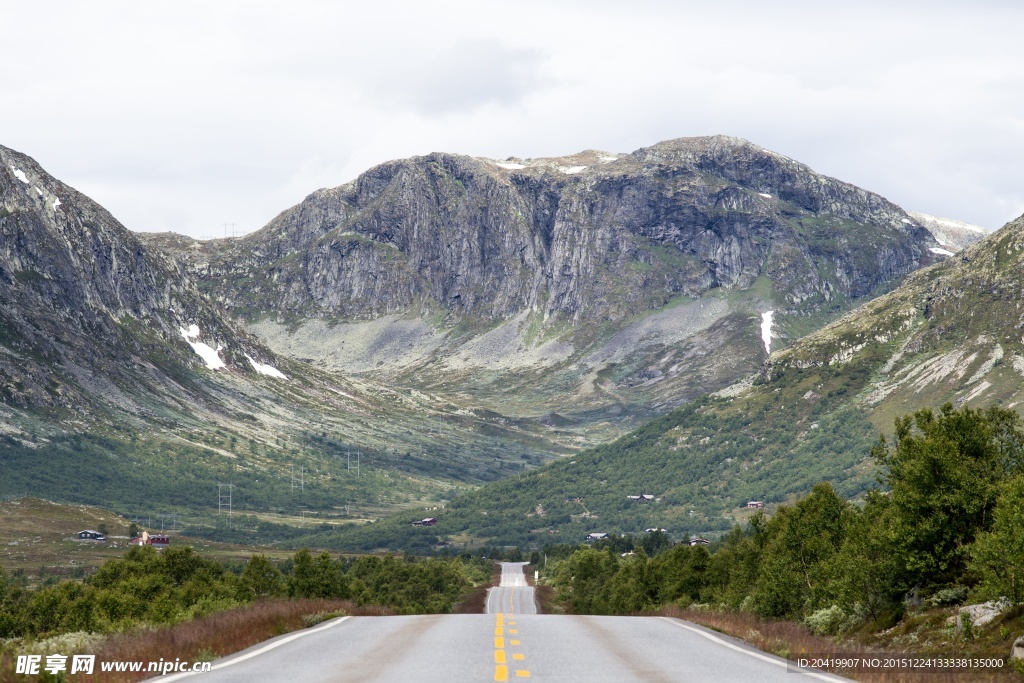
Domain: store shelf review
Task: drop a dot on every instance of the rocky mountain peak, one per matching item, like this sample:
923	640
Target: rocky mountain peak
85	303
591	234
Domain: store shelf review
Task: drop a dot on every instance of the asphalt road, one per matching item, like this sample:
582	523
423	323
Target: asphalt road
513	595
510	642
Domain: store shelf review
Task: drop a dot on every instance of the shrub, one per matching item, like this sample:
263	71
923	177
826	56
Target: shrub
829	621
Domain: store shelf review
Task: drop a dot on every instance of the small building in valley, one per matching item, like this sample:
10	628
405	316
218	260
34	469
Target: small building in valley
159	541
596	536
90	535
427	521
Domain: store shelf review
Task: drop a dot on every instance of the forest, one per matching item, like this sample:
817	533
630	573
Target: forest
149	588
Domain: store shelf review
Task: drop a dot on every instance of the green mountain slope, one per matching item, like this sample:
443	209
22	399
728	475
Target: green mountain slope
951	333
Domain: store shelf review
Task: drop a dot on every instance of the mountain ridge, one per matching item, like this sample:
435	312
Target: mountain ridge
449	317
949	334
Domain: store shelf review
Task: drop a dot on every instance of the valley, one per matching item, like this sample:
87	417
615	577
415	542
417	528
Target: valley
445	321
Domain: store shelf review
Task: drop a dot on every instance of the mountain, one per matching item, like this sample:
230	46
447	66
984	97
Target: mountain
440	321
952	235
121	382
586	293
950	333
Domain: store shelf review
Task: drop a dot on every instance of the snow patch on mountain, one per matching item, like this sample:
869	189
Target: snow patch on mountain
767	318
265	369
209	355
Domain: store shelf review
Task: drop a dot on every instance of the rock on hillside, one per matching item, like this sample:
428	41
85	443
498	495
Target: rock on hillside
951	332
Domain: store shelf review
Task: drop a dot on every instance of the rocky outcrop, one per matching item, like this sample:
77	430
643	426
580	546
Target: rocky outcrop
1017	651
89	313
593	236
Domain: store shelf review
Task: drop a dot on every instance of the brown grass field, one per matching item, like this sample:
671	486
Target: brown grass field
206	638
35	536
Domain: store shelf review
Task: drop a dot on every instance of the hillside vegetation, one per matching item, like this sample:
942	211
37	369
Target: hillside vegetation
951	333
945	532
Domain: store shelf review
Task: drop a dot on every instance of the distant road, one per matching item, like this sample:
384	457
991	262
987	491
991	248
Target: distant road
513	594
510	642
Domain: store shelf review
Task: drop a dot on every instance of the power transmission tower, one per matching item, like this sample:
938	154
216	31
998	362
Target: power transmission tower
358	454
224	499
299	483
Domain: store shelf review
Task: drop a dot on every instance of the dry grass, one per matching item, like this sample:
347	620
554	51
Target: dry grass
209	637
791	640
474	601
33	535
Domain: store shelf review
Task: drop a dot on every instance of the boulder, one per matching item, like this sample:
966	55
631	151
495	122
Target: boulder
980	614
1017	651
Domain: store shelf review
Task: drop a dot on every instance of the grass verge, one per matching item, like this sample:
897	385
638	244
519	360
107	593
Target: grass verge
204	639
791	640
475	600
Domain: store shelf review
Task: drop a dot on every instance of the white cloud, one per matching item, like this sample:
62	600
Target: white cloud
190	117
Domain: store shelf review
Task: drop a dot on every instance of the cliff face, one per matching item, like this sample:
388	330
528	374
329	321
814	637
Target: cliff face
102	336
88	313
588	236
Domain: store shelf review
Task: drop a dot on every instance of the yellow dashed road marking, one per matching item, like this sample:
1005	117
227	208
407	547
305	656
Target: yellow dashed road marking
522	673
501	673
518	656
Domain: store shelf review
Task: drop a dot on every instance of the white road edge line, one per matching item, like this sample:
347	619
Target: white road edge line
266	648
766	658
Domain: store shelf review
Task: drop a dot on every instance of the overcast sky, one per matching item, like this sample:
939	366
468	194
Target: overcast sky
184	116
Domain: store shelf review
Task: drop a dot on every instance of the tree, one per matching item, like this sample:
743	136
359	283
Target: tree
866	575
261	579
998	555
944	471
316	578
794	567
681	574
